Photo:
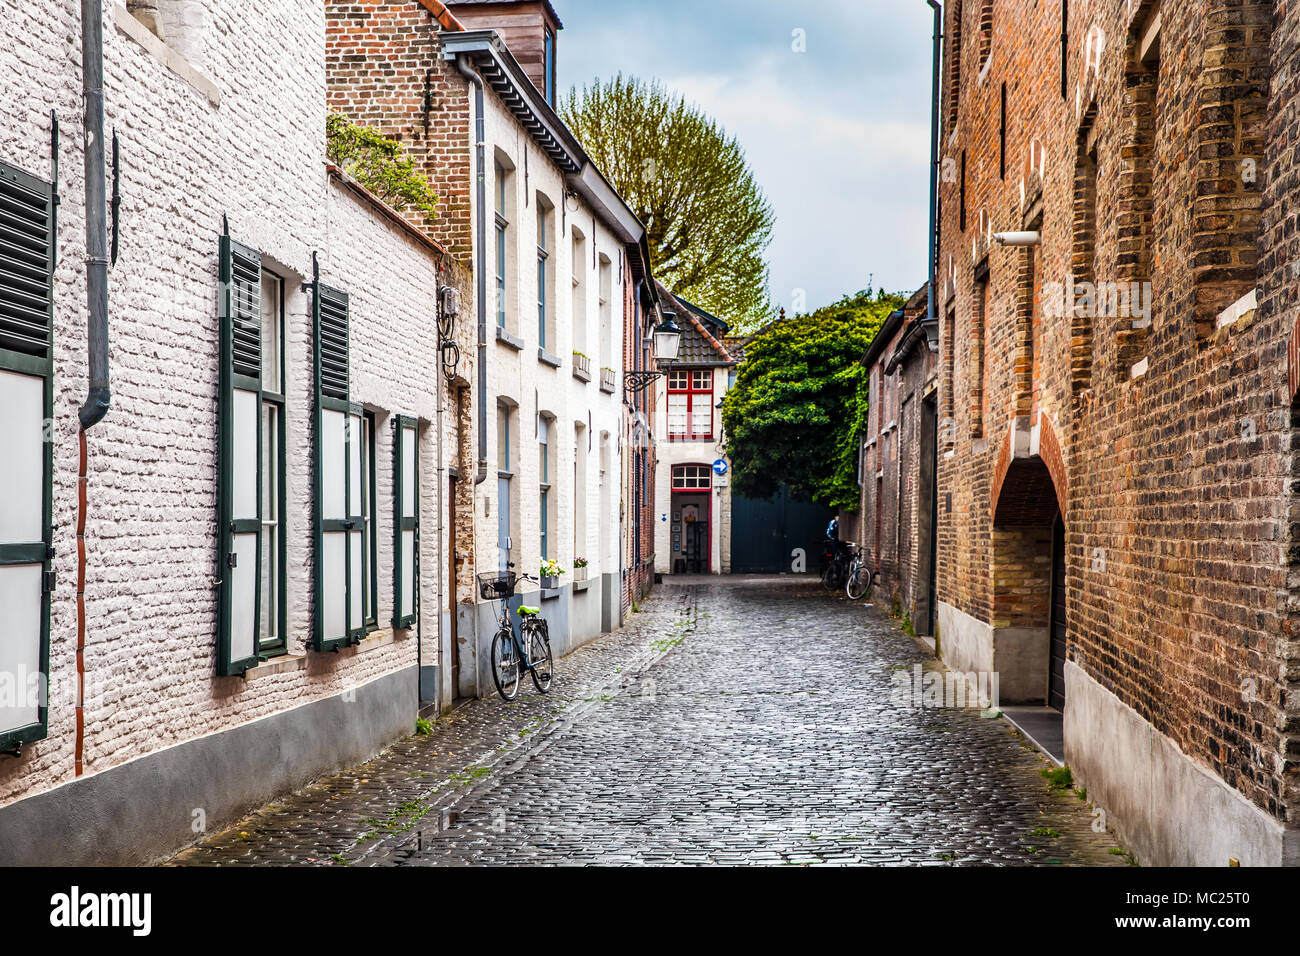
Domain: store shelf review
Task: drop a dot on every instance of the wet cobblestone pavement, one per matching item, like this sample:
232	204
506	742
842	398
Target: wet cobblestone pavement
731	721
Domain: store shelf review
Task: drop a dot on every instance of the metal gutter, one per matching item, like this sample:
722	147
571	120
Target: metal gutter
931	323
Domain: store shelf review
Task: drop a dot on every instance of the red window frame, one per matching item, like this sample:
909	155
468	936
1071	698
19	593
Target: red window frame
687	382
692	478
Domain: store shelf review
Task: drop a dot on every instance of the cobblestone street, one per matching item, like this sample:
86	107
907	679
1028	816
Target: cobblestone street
732	721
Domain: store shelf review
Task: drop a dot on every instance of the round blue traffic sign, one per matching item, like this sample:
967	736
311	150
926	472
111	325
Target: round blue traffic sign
720	466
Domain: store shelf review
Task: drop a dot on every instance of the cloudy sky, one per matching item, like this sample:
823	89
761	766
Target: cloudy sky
838	136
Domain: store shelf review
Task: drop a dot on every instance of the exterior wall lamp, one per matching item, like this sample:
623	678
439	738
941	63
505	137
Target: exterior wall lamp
667	346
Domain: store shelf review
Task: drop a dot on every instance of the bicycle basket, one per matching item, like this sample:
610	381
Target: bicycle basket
496	585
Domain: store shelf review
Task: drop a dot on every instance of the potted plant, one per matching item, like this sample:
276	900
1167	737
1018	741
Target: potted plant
579	569
550	573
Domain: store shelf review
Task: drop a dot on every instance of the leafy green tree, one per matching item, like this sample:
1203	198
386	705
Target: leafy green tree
797	410
379	164
707	220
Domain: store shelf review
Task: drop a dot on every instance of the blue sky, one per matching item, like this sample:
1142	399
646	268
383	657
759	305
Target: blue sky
838	136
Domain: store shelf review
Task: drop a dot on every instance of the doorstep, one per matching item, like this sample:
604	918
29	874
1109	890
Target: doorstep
1044	726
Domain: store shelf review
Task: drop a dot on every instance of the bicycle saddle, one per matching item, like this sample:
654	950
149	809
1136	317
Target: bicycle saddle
529	611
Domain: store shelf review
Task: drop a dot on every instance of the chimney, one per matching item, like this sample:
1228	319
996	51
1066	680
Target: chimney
528	27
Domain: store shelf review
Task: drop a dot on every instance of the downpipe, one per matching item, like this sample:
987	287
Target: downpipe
480	268
98	397
480	256
931	316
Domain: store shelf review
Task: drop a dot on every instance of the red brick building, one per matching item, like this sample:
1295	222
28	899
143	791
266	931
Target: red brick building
894	524
1116	296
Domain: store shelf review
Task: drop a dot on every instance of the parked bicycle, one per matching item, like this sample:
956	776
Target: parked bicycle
861	581
835	563
512	655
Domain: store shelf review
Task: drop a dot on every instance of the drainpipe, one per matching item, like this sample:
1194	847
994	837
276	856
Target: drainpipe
97	400
92	87
931	319
480	266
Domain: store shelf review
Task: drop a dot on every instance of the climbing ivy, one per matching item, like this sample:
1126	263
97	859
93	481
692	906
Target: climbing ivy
800	401
379	164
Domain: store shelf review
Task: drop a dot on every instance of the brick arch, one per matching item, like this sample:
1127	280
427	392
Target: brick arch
1029	491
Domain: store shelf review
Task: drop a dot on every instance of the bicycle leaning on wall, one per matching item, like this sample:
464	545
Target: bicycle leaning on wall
511	655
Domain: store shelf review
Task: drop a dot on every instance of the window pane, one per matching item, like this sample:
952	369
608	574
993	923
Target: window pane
270	611
271	332
677	380
702	380
543	508
702	416
677	414
503	438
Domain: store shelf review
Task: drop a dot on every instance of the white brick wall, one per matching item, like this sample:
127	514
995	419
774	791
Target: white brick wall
258	159
534	386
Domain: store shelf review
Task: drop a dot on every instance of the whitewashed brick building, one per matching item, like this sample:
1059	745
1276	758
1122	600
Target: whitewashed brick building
241	620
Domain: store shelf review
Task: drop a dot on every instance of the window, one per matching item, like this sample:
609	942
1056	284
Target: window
369	526
544	470
606	280
1002	135
978	356
961	211
502	240
1065	47
580	490
579	269
692	478
406	520
545	284
271	635
505	489
690	404
27	251
548	65
343	491
241	453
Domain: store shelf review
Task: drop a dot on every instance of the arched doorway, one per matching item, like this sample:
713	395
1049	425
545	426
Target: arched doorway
1028	586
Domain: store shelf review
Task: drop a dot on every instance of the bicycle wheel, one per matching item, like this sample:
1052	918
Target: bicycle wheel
859	582
828	577
542	670
505	665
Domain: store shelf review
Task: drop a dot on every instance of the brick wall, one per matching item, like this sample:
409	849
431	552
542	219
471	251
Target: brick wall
256	161
385	70
1173	440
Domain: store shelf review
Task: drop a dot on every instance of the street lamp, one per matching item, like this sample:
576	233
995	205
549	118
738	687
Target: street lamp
667	339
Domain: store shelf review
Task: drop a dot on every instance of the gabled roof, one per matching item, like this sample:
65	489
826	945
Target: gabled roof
702	333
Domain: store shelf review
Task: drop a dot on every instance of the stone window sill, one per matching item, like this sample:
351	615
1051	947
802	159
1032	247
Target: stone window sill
546	358
550	594
505	338
164	54
580	586
284	664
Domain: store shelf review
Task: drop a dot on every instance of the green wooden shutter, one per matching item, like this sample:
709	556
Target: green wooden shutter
27	249
239	459
406	521
340	618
